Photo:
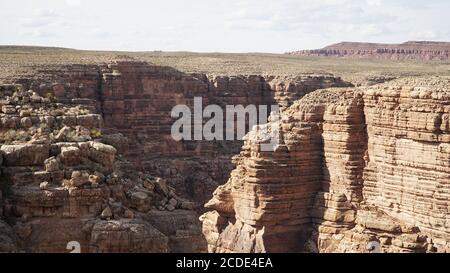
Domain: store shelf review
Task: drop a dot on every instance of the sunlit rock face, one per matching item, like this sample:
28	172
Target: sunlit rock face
413	50
87	155
355	167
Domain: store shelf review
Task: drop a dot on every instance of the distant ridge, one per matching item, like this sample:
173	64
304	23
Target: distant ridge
412	50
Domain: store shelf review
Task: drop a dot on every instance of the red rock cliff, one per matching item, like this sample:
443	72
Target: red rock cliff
406	51
354	166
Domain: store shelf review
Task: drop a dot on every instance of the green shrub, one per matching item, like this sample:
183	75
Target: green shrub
96	133
52	98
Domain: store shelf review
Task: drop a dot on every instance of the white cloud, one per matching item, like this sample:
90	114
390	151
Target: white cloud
213	25
73	3
39	18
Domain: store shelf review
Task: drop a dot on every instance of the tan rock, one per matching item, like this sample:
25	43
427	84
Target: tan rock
24	154
106	213
51	164
44	186
70	156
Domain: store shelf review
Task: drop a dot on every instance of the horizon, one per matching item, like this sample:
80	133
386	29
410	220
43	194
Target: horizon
213	52
247	26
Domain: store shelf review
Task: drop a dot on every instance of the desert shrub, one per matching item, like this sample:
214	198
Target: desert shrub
72	136
57	112
8	136
52	98
12	135
96	133
66	183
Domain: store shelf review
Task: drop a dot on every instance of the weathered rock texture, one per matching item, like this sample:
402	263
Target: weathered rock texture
354	166
60	183
87	155
137	99
407	51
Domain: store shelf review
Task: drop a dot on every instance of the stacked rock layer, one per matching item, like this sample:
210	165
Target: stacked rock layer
87	155
356	170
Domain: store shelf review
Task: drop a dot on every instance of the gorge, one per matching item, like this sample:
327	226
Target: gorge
90	146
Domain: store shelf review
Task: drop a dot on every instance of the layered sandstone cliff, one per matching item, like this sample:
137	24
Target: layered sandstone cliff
354	167
413	50
61	184
87	155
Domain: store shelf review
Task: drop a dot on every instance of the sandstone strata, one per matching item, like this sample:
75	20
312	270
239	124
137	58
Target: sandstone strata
137	99
87	156
354	166
60	183
406	51
89	146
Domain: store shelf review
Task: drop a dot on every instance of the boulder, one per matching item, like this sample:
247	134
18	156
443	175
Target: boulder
44	186
106	213
102	154
79	179
26	122
51	164
70	156
118	141
25	154
140	201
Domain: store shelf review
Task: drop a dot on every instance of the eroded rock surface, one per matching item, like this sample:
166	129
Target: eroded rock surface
413	50
354	167
87	155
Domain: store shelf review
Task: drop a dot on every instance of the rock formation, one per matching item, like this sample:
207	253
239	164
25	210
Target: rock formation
87	155
60	183
355	166
414	50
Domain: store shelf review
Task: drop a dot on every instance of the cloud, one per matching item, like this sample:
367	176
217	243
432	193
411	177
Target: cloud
232	25
73	3
40	18
327	17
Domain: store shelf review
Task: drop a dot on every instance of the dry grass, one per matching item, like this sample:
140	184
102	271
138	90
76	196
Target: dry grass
17	60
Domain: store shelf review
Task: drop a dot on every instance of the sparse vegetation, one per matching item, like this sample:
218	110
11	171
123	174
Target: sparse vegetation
19	60
96	133
72	136
12	135
52	98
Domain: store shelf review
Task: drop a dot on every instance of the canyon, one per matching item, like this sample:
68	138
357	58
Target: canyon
354	166
87	156
90	147
413	50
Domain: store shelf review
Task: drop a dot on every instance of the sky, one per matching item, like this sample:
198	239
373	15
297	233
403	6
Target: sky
219	26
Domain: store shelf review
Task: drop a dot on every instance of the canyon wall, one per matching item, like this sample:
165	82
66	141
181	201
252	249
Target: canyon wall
354	167
414	50
87	155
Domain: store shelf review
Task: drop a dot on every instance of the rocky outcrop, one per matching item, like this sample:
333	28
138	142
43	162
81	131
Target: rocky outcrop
90	147
61	185
354	168
137	99
414	50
